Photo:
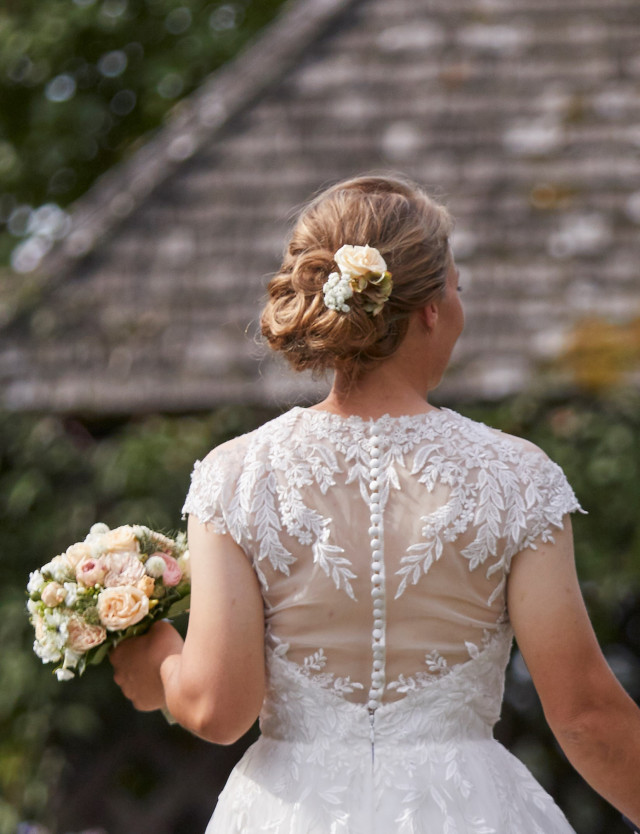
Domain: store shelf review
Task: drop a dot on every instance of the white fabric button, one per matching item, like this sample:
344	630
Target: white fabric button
376	518
377	665
376	430
373	705
375	507
376	578
376	591
374	531
377	624
377	633
376	555
374	472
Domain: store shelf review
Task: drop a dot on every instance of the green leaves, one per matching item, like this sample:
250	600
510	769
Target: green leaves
81	81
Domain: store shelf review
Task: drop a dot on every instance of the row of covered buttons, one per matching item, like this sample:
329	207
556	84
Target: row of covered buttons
377	575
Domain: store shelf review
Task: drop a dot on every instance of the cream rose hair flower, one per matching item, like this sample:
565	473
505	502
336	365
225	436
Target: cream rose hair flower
362	270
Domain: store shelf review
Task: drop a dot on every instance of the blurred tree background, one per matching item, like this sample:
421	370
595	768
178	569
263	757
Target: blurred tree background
82	81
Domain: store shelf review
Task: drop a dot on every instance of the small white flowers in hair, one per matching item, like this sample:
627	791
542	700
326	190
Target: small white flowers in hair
362	270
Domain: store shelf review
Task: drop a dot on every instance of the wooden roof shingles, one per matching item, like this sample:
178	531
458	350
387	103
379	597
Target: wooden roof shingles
524	115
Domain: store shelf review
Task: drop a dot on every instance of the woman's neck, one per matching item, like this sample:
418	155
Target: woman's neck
383	390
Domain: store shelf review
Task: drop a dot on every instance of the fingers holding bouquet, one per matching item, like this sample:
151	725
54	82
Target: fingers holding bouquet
136	663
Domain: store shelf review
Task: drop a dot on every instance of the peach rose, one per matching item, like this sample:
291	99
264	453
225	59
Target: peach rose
122	538
53	594
146	584
123	569
77	552
122	606
83	636
360	261
90	572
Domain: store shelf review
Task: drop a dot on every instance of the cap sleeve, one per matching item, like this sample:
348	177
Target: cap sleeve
546	498
213	494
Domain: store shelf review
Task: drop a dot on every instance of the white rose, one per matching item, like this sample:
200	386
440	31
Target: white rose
122	606
360	261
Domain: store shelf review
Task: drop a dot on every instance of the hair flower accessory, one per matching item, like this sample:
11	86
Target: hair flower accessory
362	270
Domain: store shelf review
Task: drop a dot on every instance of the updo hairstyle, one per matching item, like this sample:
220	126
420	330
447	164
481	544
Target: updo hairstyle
411	232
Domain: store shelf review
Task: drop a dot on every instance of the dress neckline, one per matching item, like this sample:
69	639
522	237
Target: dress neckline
384	419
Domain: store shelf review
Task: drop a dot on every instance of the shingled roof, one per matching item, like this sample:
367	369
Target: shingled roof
523	114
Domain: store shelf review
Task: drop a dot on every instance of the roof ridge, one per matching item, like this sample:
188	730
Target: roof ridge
219	98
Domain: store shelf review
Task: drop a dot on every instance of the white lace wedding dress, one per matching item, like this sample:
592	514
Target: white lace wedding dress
382	548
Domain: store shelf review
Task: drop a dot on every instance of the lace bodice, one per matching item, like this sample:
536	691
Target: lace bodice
382	547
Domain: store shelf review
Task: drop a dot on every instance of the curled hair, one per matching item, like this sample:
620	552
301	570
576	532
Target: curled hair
411	232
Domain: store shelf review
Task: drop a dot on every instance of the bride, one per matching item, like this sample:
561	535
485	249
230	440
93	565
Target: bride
359	568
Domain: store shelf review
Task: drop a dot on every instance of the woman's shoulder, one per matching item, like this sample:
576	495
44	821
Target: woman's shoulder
237	448
486	436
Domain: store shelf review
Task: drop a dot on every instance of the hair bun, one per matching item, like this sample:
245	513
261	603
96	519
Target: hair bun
410	232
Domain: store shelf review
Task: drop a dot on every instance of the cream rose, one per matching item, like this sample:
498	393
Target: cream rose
77	552
122	606
122	538
53	594
122	569
83	636
360	261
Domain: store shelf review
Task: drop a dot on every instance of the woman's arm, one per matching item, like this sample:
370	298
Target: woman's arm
213	684
594	720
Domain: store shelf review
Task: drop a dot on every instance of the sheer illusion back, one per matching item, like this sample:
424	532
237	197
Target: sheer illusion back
382	548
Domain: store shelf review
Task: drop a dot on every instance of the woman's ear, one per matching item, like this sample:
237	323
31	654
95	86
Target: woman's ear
429	315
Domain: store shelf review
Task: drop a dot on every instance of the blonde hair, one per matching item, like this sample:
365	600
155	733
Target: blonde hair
411	232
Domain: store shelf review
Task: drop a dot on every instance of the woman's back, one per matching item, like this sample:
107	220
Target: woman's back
382	549
456	500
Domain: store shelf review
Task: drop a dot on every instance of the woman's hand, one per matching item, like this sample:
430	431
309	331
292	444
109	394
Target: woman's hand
137	662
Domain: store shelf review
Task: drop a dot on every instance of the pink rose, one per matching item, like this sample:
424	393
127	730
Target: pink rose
172	573
90	572
83	636
122	606
122	569
53	594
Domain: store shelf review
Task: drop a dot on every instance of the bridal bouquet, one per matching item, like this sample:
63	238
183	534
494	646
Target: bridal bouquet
111	586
